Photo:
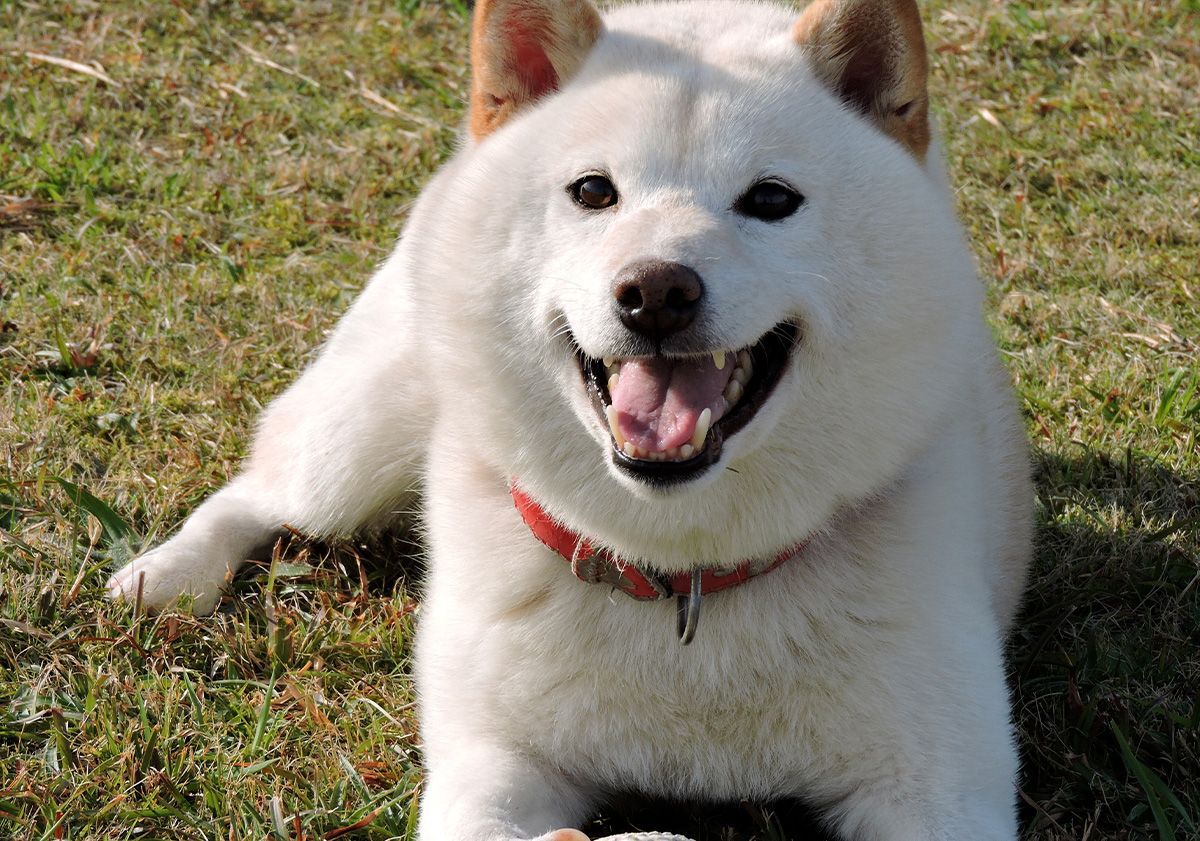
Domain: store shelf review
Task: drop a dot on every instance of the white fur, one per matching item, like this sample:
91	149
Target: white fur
865	678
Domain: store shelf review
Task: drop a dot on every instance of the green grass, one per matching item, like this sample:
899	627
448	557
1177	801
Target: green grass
176	241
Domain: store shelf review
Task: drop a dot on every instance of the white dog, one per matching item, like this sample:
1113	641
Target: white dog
684	344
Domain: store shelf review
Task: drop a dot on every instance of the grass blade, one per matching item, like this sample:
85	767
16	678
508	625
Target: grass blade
1151	785
116	528
260	727
1167	400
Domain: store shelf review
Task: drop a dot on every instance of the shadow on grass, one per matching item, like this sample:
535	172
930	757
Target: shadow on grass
382	565
1107	680
781	821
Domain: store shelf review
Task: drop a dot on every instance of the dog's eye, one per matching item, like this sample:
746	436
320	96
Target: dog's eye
769	200
594	192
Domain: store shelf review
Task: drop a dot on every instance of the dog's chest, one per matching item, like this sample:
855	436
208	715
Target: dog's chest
612	696
767	701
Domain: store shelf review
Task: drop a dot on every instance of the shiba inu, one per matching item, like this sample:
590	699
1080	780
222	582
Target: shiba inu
725	492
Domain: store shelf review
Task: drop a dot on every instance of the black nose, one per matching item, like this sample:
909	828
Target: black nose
657	298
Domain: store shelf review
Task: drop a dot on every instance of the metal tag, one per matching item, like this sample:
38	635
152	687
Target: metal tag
688	610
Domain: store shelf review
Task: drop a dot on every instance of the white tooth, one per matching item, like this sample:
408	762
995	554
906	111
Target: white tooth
739	374
687	451
673	453
629	449
719	359
744	360
612	382
609	362
702	424
610	412
733	392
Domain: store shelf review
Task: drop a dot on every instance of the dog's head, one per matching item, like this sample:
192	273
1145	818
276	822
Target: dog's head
708	242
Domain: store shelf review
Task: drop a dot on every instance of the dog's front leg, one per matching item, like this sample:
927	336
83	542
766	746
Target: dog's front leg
949	776
338	450
483	794
879	815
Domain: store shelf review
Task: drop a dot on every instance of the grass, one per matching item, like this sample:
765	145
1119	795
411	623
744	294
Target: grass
177	236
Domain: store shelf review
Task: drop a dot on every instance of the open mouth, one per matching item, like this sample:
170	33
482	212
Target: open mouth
669	416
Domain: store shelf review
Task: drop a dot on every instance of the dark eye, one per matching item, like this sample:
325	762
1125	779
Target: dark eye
594	192
769	200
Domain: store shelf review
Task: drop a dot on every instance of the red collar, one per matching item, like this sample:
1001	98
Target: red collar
601	566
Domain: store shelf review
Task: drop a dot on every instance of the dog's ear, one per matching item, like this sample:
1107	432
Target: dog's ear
872	54
522	50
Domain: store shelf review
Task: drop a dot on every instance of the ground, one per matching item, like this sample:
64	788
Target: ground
186	209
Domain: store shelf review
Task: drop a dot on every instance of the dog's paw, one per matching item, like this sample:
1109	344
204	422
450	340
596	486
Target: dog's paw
166	576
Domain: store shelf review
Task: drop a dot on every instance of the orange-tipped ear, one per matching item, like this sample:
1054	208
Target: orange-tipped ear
522	50
872	54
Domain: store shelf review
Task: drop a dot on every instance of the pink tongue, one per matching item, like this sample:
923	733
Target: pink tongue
658	400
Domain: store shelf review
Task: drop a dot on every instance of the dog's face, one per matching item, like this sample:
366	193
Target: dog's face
716	251
687	245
